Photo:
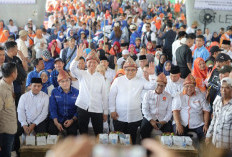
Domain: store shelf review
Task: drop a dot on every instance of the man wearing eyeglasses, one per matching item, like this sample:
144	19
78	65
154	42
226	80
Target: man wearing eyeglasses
125	99
148	35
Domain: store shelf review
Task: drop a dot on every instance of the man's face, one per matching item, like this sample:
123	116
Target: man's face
11	23
223	75
137	42
40	66
84	26
65	84
175	77
130	72
105	63
59	65
148	27
14	50
92	64
2	57
225	47
125	56
143	51
219	65
199	42
190	42
190	89
226	90
142	63
72	43
36	88
81	64
146	73
160	87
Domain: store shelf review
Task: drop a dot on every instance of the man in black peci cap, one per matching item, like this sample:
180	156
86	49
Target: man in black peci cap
226	47
214	80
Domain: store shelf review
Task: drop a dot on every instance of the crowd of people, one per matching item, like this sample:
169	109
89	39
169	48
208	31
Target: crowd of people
123	65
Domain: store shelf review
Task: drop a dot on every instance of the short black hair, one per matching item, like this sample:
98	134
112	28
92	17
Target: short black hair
82	58
201	37
181	34
44	30
11	37
1	48
191	36
148	23
8	69
36	61
169	24
10	44
184	26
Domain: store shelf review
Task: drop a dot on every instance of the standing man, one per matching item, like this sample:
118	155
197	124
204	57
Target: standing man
200	51
92	101
184	56
109	73
2	59
169	37
142	63
22	45
125	99
219	132
148	35
157	109
190	110
8	119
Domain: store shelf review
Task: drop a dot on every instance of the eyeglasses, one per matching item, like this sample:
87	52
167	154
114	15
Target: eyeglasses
131	70
147	26
65	81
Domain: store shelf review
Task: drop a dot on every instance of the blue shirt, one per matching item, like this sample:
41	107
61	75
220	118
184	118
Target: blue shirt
86	32
133	37
62	105
201	52
49	64
53	78
32	74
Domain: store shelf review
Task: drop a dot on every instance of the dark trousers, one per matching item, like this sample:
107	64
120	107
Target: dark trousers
146	128
168	53
7	144
40	128
71	130
83	121
198	131
127	128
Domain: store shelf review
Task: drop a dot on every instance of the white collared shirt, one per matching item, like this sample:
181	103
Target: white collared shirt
191	109
175	45
92	90
125	97
140	73
174	88
110	74
157	106
33	108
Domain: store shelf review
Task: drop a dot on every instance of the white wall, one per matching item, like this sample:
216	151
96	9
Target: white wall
20	13
222	18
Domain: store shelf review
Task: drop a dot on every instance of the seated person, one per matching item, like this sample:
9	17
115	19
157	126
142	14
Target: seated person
59	65
38	66
62	108
157	109
47	87
190	110
48	61
33	109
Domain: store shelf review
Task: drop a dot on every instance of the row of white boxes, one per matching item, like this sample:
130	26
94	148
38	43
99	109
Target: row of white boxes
41	140
182	141
123	139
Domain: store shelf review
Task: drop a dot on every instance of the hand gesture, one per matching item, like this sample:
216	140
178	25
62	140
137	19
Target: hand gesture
80	50
26	129
114	115
151	69
31	128
67	123
59	126
153	123
179	129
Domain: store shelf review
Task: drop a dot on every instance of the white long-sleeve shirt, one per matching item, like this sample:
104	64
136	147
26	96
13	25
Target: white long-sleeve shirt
175	45
191	109
174	88
125	97
157	106
33	108
92	90
110	74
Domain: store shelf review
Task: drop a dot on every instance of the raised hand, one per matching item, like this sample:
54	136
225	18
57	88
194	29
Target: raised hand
80	50
151	69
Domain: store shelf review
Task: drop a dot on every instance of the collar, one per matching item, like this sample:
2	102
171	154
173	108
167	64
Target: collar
33	95
61	90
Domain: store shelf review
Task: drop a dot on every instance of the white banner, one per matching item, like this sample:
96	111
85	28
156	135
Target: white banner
17	1
213	4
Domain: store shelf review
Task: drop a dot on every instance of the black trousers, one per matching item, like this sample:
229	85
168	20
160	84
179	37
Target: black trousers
168	53
146	128
184	72
127	128
83	121
40	128
71	130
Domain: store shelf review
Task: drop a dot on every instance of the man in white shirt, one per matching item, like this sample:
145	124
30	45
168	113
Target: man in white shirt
157	109
2	59
176	44
190	110
125	100
175	83
22	45
12	28
148	35
30	24
33	109
226	47
92	101
125	55
142	62
207	35
109	73
193	27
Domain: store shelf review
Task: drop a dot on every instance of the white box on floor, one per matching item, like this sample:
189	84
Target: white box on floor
188	141
41	141
166	140
30	140
178	140
52	139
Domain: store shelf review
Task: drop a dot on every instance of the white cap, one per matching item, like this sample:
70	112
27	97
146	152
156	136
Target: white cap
116	24
132	26
227	80
125	52
183	41
29	20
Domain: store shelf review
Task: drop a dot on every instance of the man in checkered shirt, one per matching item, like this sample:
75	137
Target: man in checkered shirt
220	130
